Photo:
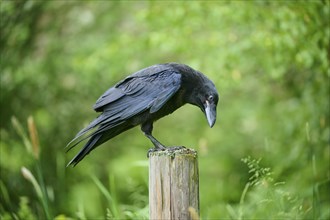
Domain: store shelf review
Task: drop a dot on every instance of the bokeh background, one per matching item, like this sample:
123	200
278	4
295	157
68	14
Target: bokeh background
267	156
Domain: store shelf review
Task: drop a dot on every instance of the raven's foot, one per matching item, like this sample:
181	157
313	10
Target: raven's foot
171	149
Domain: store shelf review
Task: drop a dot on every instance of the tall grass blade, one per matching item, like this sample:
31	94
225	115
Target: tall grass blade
107	195
19	129
41	195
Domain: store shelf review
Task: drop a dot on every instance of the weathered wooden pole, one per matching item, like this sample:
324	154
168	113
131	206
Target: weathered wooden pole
173	184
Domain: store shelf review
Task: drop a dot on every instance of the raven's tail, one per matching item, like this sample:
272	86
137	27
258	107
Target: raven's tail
100	136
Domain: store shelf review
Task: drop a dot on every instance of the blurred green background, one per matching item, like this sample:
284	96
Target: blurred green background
267	156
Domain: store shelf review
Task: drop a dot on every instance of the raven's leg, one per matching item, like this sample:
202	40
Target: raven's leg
147	130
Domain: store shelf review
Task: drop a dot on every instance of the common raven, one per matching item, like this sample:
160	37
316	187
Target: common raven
144	97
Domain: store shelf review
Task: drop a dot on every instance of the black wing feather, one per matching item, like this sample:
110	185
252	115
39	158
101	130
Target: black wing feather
125	87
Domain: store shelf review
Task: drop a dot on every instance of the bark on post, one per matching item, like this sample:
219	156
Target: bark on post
173	184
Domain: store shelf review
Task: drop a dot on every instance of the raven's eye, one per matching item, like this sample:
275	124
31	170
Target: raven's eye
211	98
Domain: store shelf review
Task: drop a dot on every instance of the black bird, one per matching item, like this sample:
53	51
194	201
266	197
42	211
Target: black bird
144	97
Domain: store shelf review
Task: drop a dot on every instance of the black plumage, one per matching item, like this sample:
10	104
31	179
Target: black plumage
144	97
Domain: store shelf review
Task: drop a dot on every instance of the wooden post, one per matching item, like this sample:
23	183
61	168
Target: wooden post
173	184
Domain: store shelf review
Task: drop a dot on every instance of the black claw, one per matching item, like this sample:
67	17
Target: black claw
150	151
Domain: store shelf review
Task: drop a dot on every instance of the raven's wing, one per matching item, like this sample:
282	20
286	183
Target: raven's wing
146	90
150	76
138	93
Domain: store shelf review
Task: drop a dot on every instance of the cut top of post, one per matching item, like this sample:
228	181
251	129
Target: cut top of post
172	153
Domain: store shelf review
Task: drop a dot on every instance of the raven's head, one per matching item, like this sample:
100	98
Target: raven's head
206	97
199	91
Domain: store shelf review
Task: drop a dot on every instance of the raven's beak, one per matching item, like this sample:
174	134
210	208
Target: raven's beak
210	112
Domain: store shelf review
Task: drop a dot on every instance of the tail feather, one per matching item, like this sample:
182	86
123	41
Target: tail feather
80	138
85	150
98	137
92	131
84	133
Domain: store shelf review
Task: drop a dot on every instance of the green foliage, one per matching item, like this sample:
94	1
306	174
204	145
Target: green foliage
261	193
259	174
268	59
